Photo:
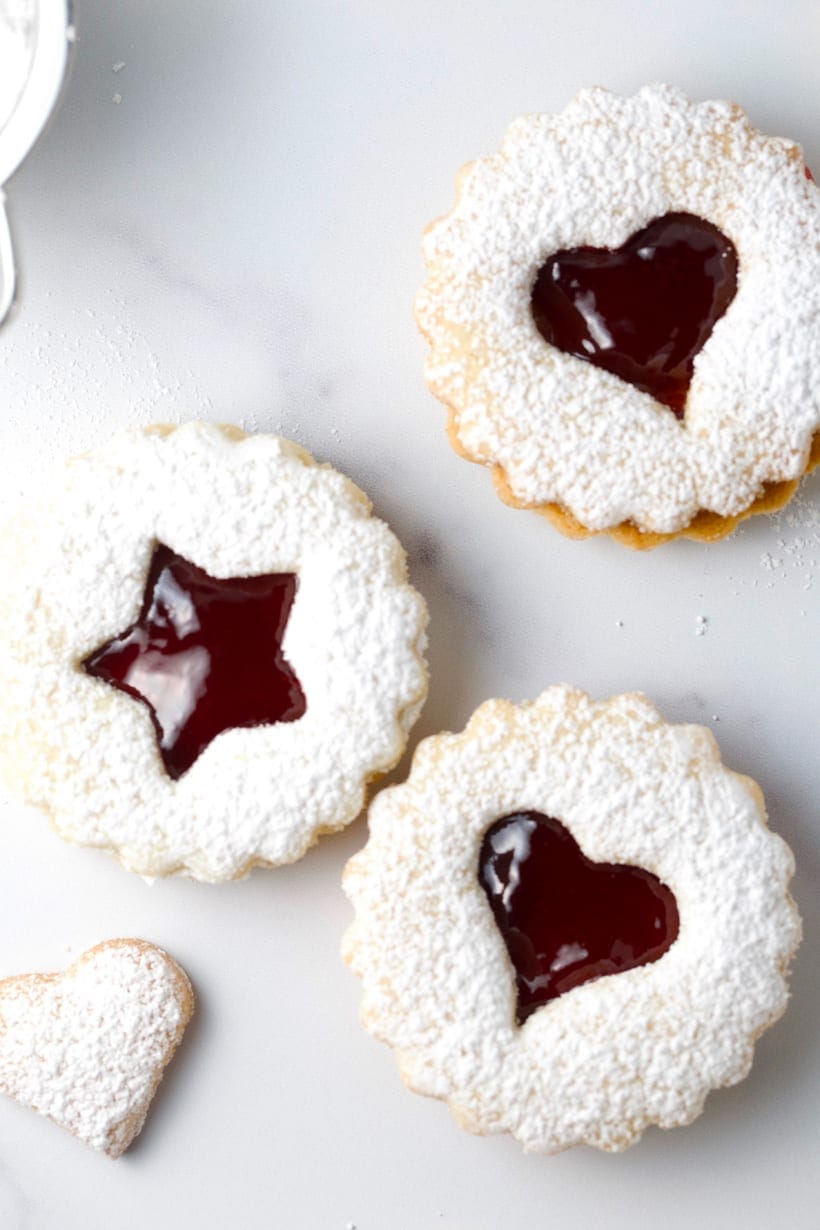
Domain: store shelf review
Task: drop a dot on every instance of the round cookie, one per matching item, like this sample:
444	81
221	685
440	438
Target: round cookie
533	303
209	650
503	910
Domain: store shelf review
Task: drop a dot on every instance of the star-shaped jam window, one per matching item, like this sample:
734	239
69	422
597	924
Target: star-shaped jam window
205	655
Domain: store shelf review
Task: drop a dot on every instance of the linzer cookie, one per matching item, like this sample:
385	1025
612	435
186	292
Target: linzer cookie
209	650
571	921
88	1047
623	309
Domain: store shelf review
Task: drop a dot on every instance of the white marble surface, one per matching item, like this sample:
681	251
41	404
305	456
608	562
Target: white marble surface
228	226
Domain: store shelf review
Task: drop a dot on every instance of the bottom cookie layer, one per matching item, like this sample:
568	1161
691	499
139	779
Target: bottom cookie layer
706	526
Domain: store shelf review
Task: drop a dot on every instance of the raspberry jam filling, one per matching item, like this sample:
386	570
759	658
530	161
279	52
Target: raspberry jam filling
205	655
565	919
644	310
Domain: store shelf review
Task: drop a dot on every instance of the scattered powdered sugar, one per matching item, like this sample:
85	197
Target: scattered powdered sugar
798	544
17	18
600	1063
234	506
563	431
88	1047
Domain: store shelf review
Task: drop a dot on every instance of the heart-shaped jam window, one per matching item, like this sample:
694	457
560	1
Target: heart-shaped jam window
565	919
644	310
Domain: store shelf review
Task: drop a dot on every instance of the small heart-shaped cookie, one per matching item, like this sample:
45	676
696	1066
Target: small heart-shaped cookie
88	1047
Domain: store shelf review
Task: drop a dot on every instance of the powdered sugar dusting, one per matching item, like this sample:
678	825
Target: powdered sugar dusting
236	507
598	1064
88	1047
798	543
565	432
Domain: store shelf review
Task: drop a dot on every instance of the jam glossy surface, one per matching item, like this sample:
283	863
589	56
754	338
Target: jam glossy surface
205	655
644	310
565	919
